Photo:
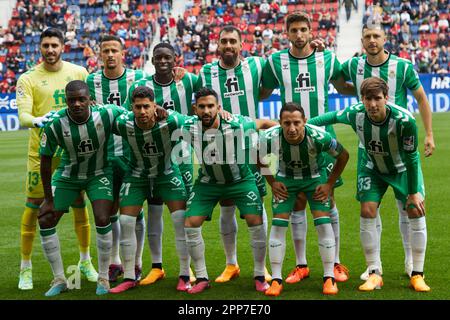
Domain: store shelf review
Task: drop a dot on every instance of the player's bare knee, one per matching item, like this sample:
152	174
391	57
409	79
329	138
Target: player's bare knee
414	213
368	211
47	221
193	222
253	220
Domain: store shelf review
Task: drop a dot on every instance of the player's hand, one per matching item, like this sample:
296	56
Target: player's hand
226	115
47	207
415	201
429	145
178	73
317	44
279	191
322	192
161	113
39	122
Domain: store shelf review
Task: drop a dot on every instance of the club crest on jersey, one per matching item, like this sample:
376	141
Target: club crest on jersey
43	140
408	143
320	64
304	83
232	86
392	74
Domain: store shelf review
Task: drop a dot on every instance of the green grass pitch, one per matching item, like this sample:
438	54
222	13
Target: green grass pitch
13	148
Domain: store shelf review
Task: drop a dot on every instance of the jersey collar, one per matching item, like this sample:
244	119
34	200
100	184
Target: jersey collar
381	64
301	58
123	73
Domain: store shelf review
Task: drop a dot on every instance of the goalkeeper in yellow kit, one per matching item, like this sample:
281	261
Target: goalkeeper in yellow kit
39	91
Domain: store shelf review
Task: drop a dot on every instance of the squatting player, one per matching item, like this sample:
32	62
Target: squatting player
390	158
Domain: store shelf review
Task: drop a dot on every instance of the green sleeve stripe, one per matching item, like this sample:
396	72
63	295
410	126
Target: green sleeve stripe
140	215
31	205
321	220
114	218
47	232
104	230
280	222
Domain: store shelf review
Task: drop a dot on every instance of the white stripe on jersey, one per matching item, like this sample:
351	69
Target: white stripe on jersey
392	81
379	158
65	126
320	85
304	95
215	82
181	90
234	99
286	74
393	146
359	76
135	149
165	139
295	156
314	167
83	165
100	129
231	153
248	81
98	89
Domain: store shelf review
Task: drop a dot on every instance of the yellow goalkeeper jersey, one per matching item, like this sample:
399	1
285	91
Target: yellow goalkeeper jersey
39	91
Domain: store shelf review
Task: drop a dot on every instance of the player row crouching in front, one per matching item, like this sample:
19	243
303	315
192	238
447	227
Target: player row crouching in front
300	150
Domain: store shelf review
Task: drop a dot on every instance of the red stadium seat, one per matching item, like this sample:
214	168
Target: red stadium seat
291	8
249	37
209	58
189	68
251	28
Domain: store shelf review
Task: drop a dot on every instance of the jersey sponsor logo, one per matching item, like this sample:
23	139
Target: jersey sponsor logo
114	98
296	164
59	96
86	147
375	147
392	74
408	143
169	105
232	86
252	196
150	149
304	83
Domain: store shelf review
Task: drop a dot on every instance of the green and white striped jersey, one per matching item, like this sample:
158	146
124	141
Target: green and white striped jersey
398	73
303	160
150	149
222	152
113	91
175	96
390	147
302	80
83	144
238	88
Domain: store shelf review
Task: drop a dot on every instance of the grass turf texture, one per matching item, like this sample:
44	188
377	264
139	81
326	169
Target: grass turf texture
13	148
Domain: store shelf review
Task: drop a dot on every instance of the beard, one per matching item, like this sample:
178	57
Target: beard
209	123
229	60
55	59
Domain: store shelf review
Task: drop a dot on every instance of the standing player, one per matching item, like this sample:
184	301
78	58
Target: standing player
389	158
176	96
150	164
82	132
300	148
221	146
237	83
303	75
110	86
400	76
39	91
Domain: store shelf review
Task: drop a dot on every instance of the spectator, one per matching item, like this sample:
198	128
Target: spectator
348	7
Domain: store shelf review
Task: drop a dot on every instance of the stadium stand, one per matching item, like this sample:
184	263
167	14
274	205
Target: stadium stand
417	30
84	23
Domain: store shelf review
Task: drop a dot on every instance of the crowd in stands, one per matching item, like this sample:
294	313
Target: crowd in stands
84	22
416	30
195	35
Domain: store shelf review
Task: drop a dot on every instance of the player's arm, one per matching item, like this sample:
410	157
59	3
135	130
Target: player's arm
425	114
344	87
47	149
279	189
409	145
269	81
336	150
264	93
262	124
24	94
